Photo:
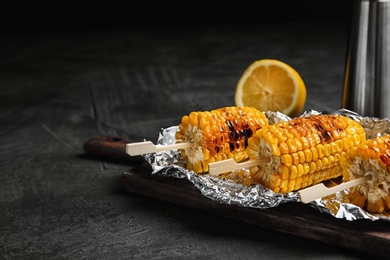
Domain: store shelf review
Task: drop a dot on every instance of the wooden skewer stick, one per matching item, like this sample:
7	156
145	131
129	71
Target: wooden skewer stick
320	190
148	147
229	165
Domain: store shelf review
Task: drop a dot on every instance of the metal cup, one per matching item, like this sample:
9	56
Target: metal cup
367	72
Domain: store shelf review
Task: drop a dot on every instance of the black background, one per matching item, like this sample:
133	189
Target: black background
76	15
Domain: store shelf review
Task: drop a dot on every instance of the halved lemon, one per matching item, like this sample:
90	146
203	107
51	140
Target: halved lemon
271	85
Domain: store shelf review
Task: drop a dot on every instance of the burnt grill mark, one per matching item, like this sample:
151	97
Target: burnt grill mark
236	135
247	133
230	125
319	127
324	134
327	136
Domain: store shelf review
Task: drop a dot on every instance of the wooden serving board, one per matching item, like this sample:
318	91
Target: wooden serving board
298	219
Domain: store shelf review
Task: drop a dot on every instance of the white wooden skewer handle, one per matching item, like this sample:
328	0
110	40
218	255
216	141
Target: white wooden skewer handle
229	165
320	190
148	147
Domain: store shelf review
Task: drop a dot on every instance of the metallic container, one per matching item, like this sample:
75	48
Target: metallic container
367	73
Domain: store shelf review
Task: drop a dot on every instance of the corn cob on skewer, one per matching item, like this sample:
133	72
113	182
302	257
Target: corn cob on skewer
371	158
217	135
303	151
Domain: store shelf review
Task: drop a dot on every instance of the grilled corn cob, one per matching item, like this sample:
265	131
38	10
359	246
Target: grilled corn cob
217	135
371	158
303	151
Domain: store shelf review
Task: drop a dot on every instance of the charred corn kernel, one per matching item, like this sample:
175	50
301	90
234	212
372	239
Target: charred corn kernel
309	153
371	158
218	135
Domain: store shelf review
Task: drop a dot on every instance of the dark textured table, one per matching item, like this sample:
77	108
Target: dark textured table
60	88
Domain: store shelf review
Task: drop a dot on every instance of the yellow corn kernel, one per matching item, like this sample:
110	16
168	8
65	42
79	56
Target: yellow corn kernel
193	119
286	160
283	185
327	150
305	142
347	144
314	153
283	148
301	156
331	160
291	145
337	157
308	155
298	144
291	184
270	137
284	170
313	167
300	170
339	146
293	173
325	162
275	150
278	134
306	168
321	150
298	183
295	158
312	140
318	164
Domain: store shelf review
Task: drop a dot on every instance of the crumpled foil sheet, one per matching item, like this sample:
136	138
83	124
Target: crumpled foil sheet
224	190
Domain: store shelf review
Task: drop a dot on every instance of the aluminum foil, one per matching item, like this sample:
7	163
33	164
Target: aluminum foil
231	190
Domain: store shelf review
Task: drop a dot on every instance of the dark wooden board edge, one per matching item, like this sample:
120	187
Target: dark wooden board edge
372	237
111	148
